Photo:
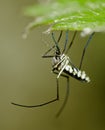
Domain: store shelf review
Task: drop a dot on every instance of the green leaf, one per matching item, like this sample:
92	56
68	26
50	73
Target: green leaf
68	15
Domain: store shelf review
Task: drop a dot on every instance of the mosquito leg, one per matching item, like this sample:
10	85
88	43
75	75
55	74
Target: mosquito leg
42	104
84	50
56	44
66	97
65	41
50	56
60	35
71	42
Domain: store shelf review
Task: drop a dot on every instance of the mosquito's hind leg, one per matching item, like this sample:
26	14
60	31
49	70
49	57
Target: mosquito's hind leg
84	50
67	94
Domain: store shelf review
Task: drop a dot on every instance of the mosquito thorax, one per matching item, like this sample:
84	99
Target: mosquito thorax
55	60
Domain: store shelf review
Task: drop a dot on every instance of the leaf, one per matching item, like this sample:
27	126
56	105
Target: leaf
88	15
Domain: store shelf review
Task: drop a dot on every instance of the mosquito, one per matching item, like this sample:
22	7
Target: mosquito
63	66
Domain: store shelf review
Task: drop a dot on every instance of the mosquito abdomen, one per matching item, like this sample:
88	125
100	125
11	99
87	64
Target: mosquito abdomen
76	73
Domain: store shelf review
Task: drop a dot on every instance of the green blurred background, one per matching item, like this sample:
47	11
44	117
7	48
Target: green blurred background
26	78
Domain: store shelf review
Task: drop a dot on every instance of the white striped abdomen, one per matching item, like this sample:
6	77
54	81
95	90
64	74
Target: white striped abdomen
76	73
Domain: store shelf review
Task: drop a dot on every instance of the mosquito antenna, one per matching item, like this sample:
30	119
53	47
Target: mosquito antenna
65	41
71	42
84	50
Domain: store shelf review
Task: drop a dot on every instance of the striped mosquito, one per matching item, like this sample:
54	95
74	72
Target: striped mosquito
63	66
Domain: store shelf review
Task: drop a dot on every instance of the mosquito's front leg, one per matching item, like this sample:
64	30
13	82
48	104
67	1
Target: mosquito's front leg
48	56
46	53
